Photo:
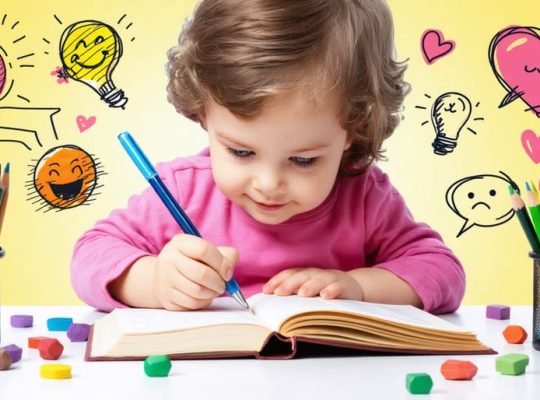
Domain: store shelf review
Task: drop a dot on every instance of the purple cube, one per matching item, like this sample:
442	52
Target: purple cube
78	332
14	351
22	321
496	311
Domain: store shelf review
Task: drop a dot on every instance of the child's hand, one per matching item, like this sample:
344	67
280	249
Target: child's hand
309	282
190	272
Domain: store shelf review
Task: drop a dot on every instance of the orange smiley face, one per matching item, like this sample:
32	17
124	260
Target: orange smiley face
65	176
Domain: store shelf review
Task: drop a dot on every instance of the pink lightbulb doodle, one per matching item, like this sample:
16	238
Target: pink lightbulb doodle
3	74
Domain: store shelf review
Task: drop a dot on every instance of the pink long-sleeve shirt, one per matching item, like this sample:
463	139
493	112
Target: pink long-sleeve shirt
364	222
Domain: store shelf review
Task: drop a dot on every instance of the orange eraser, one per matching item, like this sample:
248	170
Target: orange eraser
515	334
33	342
458	370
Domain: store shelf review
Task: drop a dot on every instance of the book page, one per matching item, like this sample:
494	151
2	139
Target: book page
273	310
223	310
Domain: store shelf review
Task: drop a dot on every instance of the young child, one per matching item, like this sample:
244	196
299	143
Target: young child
297	98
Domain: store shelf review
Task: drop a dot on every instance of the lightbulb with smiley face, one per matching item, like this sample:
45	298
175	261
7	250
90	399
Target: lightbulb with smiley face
65	176
90	51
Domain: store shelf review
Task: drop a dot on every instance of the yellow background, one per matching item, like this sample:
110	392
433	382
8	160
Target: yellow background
39	244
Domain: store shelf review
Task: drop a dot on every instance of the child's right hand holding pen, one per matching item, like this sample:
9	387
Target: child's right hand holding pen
188	274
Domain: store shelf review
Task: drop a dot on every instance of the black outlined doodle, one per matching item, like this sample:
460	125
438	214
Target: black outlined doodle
514	56
22	125
433	45
90	51
10	57
481	200
451	112
64	177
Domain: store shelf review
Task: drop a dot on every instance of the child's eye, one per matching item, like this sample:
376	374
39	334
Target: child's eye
239	153
304	161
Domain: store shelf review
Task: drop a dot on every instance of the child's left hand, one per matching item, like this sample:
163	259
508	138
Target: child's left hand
309	282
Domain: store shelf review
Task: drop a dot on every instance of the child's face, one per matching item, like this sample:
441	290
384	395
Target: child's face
281	163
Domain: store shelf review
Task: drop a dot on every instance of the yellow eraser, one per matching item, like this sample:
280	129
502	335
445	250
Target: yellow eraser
55	371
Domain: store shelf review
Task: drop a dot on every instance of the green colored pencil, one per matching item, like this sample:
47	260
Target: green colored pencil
519	207
534	209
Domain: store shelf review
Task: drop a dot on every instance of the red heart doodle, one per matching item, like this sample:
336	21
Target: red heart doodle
434	46
84	123
531	144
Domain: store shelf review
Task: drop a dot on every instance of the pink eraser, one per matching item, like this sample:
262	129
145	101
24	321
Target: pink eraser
22	321
496	311
14	351
78	332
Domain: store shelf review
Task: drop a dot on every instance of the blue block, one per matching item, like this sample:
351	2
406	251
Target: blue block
59	324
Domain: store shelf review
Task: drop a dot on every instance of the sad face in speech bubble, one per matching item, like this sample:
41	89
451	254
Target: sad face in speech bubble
481	200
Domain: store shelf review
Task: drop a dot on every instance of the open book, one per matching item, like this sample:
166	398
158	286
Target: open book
277	327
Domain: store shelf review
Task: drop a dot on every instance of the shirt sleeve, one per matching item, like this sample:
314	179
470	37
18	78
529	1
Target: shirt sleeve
104	252
411	250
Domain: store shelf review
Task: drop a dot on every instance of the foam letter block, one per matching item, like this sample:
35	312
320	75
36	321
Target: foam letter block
14	351
496	311
419	383
50	349
59	324
515	334
458	370
157	366
22	321
5	360
512	364
55	371
78	332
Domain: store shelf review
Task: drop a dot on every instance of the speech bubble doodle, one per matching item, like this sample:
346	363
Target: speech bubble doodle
531	144
514	55
481	200
434	46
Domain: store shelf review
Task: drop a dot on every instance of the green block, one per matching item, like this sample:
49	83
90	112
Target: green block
155	366
419	383
512	364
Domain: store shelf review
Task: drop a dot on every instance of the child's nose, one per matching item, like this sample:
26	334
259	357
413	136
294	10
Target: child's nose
269	181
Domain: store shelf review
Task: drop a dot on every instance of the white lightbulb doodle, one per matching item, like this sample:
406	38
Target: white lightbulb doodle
449	114
90	51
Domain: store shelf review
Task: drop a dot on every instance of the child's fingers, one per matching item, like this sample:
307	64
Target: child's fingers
201	274
332	290
292	283
202	250
278	279
314	285
193	289
185	302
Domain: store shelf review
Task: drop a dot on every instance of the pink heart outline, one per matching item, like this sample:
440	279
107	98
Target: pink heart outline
531	143
434	46
84	123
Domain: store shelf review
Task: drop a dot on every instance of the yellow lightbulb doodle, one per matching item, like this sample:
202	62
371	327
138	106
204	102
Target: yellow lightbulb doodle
90	51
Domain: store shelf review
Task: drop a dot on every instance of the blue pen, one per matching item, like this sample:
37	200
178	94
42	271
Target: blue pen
148	171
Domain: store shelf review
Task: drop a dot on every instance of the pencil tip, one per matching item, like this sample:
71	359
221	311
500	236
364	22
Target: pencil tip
6	168
510	189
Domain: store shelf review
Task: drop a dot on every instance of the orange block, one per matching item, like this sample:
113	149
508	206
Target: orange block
458	370
33	342
50	349
515	334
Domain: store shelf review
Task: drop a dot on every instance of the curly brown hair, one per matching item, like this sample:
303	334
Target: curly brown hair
243	52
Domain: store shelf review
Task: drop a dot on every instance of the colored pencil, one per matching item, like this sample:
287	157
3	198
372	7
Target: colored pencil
535	192
519	207
4	184
534	210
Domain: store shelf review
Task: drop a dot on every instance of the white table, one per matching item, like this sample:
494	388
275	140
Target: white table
329	378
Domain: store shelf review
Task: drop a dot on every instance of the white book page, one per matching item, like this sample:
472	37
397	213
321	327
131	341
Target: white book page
273	310
223	310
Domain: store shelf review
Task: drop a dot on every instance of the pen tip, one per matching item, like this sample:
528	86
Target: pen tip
6	168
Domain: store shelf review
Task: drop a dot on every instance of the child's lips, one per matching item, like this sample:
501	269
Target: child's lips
270	206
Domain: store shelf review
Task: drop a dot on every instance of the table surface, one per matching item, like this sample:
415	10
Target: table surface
347	377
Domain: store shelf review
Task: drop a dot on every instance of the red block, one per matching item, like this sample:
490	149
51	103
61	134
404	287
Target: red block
458	370
515	334
33	342
50	349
